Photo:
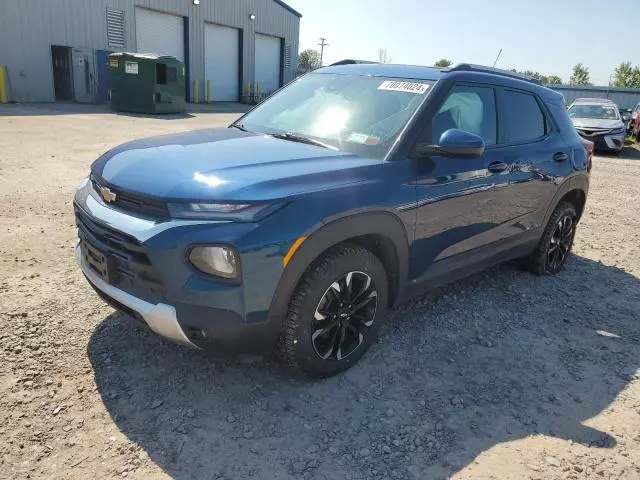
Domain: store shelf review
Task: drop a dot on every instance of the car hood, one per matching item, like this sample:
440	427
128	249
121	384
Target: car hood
596	123
227	164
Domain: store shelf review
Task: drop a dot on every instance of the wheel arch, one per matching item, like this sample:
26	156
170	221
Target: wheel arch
573	190
382	233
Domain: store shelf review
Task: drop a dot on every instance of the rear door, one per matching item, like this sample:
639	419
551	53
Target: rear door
537	159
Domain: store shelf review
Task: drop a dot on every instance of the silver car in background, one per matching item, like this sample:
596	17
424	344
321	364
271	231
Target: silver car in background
599	121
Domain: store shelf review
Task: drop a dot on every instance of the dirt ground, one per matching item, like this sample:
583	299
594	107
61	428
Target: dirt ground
503	375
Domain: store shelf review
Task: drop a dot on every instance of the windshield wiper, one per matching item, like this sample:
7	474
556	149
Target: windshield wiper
292	137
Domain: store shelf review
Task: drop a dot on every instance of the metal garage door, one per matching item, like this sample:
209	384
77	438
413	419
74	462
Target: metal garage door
268	59
222	61
159	33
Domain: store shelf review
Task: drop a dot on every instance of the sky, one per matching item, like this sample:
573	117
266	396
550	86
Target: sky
547	36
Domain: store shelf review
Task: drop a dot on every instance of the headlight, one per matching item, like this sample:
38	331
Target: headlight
215	260
618	131
219	211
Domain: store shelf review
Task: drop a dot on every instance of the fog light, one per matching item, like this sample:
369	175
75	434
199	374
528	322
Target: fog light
219	261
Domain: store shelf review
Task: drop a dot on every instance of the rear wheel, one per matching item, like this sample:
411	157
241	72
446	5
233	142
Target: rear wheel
335	312
555	245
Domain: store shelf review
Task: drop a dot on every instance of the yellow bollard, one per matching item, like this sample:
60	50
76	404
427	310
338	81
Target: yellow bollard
196	92
3	84
208	91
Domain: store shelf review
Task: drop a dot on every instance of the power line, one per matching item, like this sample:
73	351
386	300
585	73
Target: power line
322	44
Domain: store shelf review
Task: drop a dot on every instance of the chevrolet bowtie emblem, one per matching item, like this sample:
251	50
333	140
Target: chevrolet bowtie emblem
107	195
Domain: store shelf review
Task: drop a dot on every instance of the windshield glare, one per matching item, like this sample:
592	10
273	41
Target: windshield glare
358	114
600	112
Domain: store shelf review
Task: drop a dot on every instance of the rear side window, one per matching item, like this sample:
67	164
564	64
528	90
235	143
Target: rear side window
467	108
522	118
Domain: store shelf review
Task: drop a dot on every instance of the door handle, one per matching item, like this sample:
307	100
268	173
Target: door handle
560	157
497	167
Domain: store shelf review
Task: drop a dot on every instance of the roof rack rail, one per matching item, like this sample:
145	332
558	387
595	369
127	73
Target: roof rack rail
350	61
469	67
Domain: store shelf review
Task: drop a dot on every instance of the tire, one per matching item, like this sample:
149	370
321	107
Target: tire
309	343
545	260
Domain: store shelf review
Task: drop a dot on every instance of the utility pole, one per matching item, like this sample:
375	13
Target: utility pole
323	43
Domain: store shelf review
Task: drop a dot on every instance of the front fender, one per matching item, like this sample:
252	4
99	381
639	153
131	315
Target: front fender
332	232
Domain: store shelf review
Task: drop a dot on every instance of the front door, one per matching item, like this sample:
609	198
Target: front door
456	212
83	75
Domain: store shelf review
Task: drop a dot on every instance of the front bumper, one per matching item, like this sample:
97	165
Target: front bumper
160	317
156	284
606	142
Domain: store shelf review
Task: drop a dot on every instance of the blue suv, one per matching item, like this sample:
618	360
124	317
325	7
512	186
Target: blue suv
354	187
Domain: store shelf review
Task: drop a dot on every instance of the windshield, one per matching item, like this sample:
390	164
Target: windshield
600	112
362	115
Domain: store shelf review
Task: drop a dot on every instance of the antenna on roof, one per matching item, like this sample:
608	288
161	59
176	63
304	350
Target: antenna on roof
496	60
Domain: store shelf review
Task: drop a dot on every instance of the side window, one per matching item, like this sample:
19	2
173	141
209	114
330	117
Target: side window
521	116
467	108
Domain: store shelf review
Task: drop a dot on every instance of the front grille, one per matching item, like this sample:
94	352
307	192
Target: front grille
590	132
133	270
132	202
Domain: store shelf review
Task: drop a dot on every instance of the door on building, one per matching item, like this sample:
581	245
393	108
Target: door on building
159	33
222	62
83	75
102	67
268	63
62	76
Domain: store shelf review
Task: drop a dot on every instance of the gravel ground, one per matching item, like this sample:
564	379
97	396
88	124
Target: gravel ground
501	375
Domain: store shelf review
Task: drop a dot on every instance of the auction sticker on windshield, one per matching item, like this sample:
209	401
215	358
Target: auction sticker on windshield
408	87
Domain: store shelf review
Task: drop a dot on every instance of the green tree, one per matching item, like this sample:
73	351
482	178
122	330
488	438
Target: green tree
626	76
545	79
635	77
553	80
622	75
580	75
532	74
308	60
443	63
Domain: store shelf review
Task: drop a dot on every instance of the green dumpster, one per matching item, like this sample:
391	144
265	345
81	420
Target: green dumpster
146	83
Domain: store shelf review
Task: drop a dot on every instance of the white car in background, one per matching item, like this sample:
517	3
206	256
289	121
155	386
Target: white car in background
599	121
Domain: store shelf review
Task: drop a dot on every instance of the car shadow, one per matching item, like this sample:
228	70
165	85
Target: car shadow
630	151
496	357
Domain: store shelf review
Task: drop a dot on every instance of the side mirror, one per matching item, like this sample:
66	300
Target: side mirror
453	143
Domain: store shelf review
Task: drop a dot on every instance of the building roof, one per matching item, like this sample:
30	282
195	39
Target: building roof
287	7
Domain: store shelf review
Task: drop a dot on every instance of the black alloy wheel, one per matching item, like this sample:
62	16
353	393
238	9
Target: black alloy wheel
335	312
554	246
344	316
561	241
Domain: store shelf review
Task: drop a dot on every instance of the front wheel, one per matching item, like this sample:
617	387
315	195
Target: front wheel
556	242
335	312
